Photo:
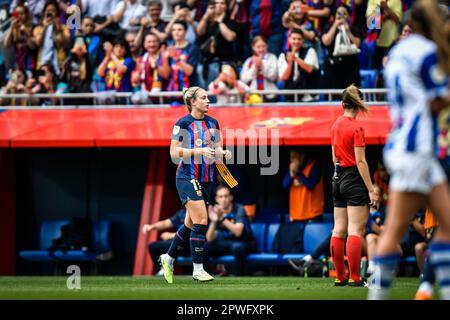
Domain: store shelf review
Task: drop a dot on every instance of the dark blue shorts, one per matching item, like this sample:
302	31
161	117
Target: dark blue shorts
191	189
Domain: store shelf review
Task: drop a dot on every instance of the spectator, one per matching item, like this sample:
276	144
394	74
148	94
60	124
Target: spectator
35	8
47	82
406	31
182	13
260	71
152	70
216	34
390	14
183	57
229	230
305	184
159	247
116	66
15	85
266	21
78	71
240	14
167	9
135	51
101	12
93	41
199	7
381	179
20	36
51	37
227	87
343	67
296	18
152	23
319	12
299	66
128	14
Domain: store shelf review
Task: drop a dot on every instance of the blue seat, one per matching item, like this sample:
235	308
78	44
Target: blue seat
259	232
315	233
101	243
271	232
368	78
49	231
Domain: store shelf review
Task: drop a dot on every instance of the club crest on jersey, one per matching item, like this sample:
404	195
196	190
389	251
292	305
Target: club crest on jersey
198	142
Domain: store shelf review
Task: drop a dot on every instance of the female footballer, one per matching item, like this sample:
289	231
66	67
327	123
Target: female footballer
416	75
195	144
353	191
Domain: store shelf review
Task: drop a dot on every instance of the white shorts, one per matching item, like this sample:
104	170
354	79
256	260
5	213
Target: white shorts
413	172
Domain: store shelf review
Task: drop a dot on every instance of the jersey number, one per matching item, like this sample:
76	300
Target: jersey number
196	184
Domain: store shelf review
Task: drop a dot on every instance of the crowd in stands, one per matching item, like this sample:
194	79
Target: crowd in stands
228	46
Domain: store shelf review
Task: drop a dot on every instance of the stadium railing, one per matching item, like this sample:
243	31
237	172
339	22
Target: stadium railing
112	99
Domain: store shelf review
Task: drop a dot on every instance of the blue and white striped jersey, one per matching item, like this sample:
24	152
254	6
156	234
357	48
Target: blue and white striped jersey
414	78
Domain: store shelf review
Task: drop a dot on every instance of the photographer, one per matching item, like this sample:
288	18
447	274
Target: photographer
343	66
217	33
19	35
128	14
51	38
296	18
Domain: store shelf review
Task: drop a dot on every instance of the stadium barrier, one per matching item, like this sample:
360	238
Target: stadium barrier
124	99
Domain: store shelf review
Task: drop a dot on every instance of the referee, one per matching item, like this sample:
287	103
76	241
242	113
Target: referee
353	191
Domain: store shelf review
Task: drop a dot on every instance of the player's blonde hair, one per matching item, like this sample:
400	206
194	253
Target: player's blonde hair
352	99
428	20
190	94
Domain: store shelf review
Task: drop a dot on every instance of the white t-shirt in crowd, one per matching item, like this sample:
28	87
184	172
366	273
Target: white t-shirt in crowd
132	11
102	8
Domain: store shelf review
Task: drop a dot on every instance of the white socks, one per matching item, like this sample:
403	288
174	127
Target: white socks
169	259
198	267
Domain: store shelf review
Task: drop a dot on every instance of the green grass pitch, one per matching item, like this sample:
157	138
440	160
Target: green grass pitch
247	288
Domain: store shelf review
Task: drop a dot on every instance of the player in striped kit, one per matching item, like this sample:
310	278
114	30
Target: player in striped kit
195	145
417	78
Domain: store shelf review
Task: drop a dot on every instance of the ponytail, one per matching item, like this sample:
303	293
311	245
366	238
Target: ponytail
352	99
189	95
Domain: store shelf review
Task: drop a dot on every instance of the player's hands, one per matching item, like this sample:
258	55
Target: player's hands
207	152
147	228
227	154
373	198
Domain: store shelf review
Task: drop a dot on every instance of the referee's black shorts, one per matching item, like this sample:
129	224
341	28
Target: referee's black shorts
349	188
